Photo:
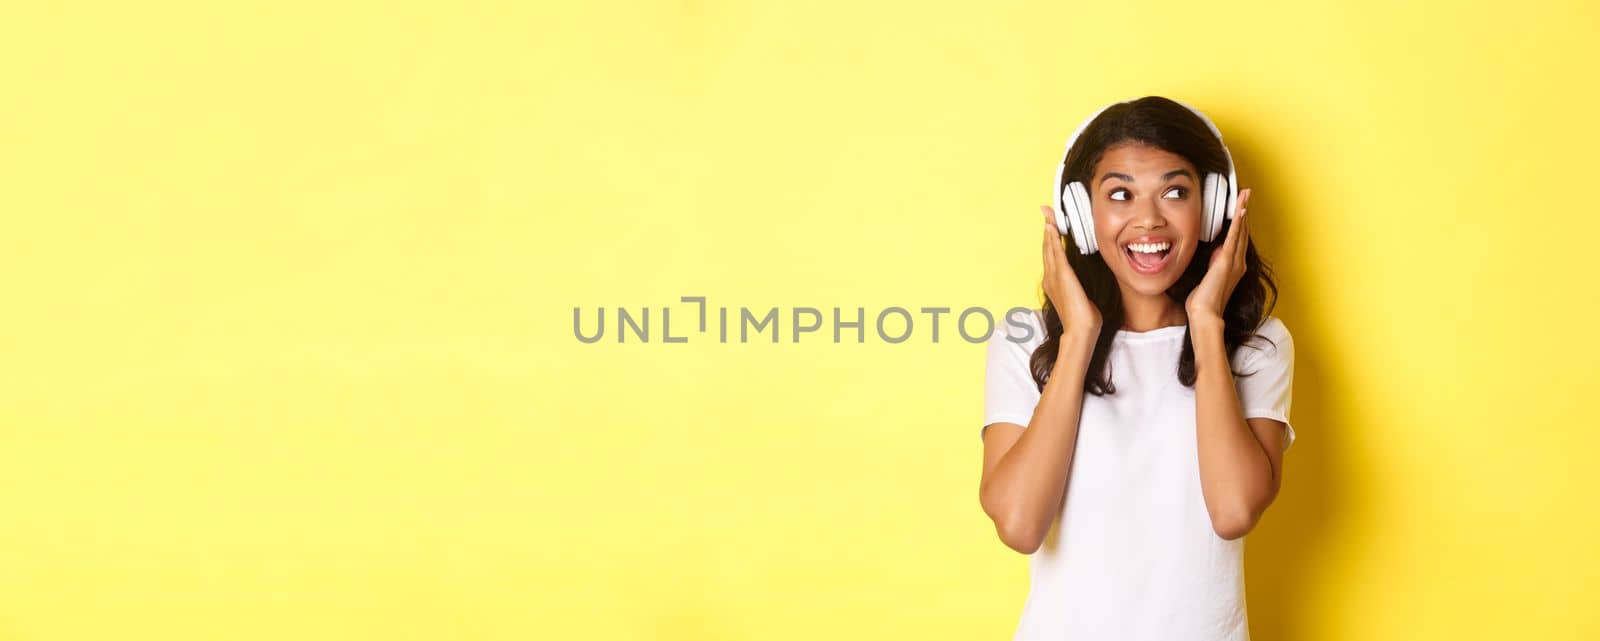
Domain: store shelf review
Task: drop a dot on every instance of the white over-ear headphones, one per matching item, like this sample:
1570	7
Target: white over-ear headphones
1074	218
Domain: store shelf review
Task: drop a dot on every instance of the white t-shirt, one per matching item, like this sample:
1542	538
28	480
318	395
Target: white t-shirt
1132	555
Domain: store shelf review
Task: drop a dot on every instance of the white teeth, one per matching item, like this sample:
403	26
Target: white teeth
1150	248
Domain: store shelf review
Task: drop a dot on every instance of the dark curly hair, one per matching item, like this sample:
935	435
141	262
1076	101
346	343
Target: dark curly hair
1168	125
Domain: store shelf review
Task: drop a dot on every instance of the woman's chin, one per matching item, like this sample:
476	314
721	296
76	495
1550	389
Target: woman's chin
1147	284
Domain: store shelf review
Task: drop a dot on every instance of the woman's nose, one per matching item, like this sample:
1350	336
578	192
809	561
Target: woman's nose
1149	217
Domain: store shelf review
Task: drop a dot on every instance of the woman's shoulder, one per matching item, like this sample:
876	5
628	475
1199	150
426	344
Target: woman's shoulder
1019	327
1273	328
1271	337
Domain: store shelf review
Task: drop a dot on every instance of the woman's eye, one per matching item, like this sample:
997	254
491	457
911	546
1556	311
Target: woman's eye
1115	193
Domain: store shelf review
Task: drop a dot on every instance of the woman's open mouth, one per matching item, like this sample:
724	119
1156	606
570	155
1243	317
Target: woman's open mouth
1148	258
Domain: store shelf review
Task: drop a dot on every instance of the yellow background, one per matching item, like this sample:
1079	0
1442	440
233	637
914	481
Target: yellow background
288	348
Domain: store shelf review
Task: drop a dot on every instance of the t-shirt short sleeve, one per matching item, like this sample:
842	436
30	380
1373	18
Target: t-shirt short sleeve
1009	393
1267	392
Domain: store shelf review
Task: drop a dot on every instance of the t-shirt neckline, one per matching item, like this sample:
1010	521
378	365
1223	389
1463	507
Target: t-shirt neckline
1153	334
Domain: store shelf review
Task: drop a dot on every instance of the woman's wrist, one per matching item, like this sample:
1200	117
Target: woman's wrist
1074	343
1210	342
1206	324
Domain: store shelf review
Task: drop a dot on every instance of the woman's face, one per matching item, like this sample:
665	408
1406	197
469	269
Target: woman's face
1146	198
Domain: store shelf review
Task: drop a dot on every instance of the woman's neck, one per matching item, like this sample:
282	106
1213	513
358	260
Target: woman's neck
1145	313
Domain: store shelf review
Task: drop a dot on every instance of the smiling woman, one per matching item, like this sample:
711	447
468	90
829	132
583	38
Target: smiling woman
1150	154
1134	499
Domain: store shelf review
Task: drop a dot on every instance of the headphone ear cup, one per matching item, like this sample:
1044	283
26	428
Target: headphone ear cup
1224	205
1083	219
1068	215
1213	191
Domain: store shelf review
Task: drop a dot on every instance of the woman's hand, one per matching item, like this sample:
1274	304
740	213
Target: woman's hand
1079	316
1208	300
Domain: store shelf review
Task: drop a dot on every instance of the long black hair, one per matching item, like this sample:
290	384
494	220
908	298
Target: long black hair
1162	123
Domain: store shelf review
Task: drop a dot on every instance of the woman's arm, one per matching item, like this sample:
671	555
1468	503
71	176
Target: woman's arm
1025	470
1241	462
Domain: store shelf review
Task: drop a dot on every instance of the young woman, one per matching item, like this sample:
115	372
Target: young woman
1135	426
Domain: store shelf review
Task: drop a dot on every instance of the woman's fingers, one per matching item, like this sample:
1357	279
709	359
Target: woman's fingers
1064	266
1044	250
1061	283
1230	245
1050	234
1244	241
1241	245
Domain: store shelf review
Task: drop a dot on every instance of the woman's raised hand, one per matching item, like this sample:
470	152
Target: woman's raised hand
1078	314
1226	267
